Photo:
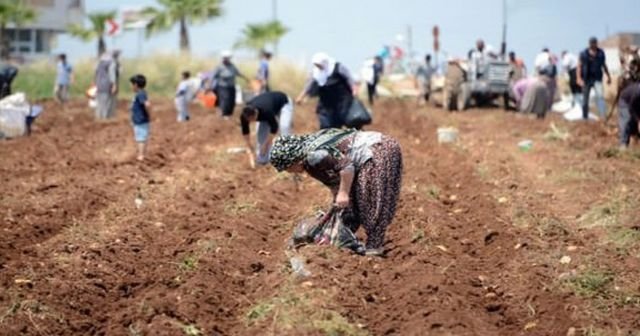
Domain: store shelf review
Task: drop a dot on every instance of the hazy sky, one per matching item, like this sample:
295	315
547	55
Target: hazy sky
352	30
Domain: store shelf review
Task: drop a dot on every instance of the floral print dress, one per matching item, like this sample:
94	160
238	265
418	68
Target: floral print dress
377	163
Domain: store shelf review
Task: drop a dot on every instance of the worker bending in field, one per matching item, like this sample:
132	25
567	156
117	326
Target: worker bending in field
363	170
273	111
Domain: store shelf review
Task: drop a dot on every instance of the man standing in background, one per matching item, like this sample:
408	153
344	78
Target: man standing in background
106	79
590	71
372	73
570	65
263	72
422	79
479	58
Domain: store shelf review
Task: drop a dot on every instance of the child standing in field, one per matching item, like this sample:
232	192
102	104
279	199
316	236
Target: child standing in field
140	107
183	96
63	79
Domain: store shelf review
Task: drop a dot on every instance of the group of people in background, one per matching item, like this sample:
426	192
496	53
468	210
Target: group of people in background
586	72
362	169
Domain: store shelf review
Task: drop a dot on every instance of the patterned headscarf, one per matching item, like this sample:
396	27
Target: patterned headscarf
289	149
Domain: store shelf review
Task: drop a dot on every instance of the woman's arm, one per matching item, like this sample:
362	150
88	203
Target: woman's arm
346	181
305	91
240	74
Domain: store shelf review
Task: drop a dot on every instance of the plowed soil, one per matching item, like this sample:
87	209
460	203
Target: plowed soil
488	239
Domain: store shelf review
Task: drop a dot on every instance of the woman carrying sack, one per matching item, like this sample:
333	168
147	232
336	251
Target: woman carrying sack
335	87
363	170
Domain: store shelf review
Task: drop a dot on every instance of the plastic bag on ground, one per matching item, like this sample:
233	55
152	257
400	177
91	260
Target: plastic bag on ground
575	113
14	110
327	229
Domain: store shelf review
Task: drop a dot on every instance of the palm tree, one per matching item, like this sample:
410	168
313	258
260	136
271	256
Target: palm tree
95	31
182	12
256	36
15	12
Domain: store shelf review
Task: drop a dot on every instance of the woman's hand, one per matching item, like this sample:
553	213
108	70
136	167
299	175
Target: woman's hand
342	200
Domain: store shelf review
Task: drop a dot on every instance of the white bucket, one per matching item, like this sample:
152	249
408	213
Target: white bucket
447	134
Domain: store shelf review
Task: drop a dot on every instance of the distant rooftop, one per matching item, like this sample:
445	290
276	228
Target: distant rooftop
621	40
56	15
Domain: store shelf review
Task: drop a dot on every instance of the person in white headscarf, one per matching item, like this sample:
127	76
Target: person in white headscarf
332	82
106	80
224	84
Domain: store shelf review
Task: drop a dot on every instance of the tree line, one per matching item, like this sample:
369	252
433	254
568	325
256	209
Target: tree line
255	36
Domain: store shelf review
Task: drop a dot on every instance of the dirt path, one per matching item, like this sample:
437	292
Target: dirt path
205	251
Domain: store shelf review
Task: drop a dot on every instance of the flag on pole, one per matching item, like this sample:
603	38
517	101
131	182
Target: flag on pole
134	18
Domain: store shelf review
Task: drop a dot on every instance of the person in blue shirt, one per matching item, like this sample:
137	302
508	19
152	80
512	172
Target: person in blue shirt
64	77
140	120
263	72
590	69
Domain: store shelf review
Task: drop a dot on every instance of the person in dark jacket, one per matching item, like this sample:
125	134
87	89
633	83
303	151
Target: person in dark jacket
591	67
335	87
7	75
377	69
628	101
273	111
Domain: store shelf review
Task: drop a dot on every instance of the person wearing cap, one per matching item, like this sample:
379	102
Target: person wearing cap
591	67
363	170
224	84
273	111
335	87
263	72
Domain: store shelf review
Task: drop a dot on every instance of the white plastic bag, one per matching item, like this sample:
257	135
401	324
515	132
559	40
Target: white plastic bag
13	112
12	122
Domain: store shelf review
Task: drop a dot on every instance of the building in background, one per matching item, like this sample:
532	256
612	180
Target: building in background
38	39
615	46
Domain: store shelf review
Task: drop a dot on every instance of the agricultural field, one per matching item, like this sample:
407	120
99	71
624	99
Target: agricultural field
488	239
